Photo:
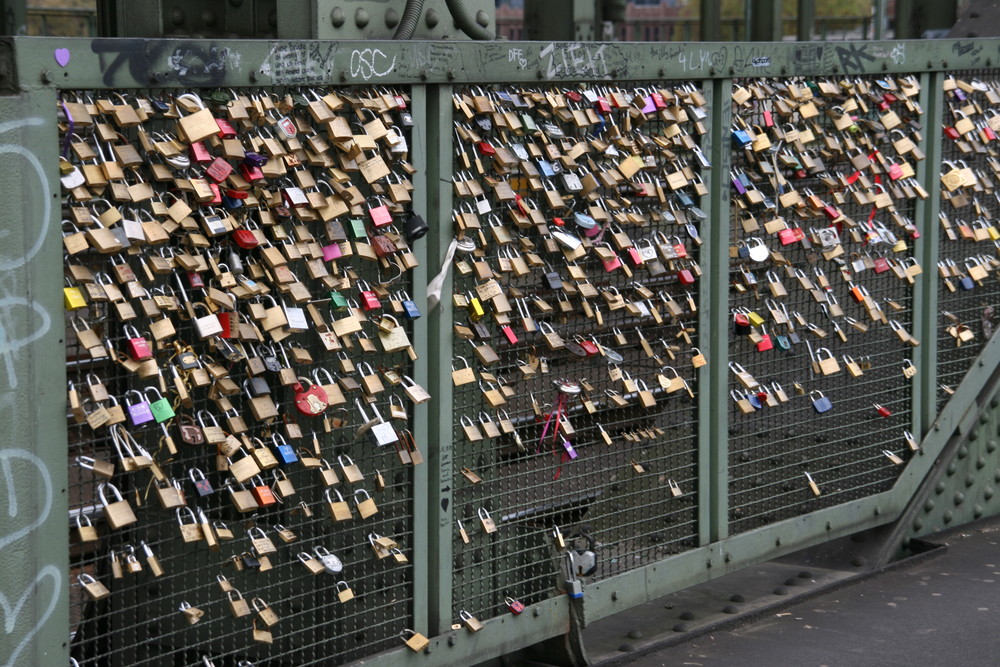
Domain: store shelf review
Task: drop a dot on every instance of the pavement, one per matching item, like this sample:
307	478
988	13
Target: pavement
941	608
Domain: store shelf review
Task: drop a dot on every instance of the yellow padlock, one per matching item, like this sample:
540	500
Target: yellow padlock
476	311
73	298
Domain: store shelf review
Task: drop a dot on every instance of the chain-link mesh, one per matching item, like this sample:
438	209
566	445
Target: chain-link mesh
968	293
577	409
821	275
139	292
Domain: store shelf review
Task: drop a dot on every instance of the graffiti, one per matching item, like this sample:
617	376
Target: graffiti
24	473
696	61
299	62
8	264
968	49
371	63
809	56
190	63
852	55
752	56
32	593
517	56
9	305
574	59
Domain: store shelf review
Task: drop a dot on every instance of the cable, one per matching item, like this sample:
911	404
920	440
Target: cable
466	23
408	24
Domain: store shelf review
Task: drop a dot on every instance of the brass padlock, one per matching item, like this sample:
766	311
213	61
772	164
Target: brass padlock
415	641
118	513
264	612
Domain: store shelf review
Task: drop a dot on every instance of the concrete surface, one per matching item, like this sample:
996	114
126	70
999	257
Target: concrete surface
941	610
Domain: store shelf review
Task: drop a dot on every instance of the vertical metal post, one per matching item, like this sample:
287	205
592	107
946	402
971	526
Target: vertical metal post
765	21
805	19
925	295
441	525
34	540
423	369
713	297
880	8
904	20
15	17
709	21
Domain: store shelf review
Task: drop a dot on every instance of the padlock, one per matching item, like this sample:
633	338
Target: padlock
264	612
201	484
238	606
138	347
881	410
262	493
139	412
379	431
415	641
312	401
352	473
489	526
330	563
515	607
151	560
94	588
160	408
192	530
244	468
191	614
366	506
344	592
820	402
283	452
339	509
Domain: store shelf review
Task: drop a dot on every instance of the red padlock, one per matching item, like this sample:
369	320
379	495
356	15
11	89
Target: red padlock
138	347
485	148
515	607
219	170
952	133
882	410
602	105
262	493
685	277
634	258
230	322
216	195
233	193
369	300
294	197
765	343
790	235
199	153
195	280
589	347
680	250
250	173
245	239
226	130
312	401
509	333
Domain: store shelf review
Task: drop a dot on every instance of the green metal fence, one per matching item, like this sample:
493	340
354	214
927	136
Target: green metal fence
602	219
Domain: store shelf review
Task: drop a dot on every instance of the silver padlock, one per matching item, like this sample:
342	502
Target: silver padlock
379	431
331	563
574	587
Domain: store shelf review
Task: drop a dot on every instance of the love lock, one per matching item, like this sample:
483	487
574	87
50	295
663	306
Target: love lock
584	560
312	401
379	431
331	563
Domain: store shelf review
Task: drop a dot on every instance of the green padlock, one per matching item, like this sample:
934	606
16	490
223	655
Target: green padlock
337	300
529	123
161	408
358	230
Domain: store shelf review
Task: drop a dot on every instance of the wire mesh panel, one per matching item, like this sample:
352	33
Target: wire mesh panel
821	275
577	223
239	360
968	293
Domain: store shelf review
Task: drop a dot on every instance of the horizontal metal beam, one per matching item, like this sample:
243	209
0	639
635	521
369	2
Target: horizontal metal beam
126	63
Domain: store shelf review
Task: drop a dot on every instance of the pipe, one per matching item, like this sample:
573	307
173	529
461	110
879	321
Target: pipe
466	23
408	24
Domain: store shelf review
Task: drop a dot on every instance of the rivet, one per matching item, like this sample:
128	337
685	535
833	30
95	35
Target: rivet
177	17
361	17
337	17
208	17
963	451
958	498
253	76
977	511
929	506
451	75
918	524
777	542
878	510
781	590
686	616
431	18
988	492
947	517
391	18
236	3
46	76
482	18
614	596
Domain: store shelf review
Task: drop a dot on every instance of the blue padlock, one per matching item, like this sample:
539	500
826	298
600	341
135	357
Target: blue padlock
741	139
820	402
282	450
966	283
232	202
545	168
410	307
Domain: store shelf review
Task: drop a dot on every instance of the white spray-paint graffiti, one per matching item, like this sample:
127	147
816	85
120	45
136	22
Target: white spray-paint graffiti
371	63
25	482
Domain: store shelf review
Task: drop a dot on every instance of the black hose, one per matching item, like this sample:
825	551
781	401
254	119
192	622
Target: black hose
466	23
408	24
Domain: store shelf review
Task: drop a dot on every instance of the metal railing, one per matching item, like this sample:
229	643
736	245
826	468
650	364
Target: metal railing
700	477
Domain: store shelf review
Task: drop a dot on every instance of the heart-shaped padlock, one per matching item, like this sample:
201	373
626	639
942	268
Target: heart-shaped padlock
312	401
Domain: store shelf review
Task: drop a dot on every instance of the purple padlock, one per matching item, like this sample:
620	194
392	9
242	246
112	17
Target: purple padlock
255	159
650	105
570	451
139	412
